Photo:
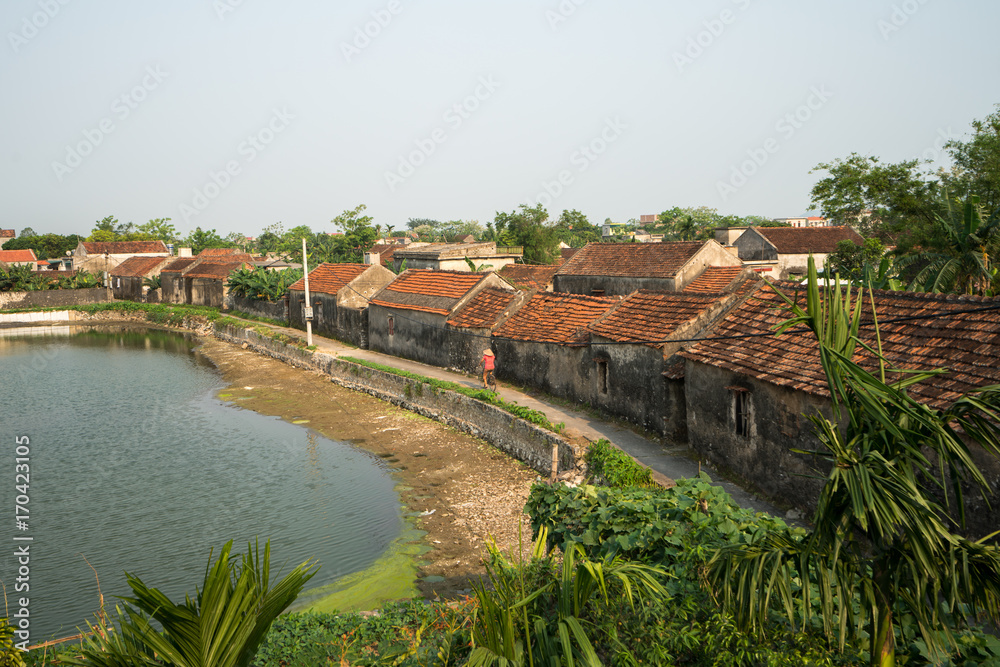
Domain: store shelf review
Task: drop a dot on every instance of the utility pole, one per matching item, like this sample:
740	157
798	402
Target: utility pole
308	314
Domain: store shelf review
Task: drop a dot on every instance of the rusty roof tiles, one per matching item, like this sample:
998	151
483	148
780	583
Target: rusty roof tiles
124	247
330	278
551	317
714	280
484	309
967	343
137	267
634	260
647	315
804	240
529	277
427	290
11	256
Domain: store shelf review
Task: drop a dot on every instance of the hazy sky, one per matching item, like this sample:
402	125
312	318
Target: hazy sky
236	114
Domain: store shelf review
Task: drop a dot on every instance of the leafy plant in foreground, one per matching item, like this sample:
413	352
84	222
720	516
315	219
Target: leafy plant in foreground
222	626
882	549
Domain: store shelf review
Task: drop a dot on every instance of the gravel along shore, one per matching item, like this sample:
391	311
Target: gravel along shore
458	489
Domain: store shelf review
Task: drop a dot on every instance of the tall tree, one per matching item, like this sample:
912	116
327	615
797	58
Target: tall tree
883	542
876	198
158	229
976	169
527	228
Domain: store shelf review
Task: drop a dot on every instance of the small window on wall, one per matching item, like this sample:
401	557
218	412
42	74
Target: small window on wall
602	376
742	411
392	326
596	292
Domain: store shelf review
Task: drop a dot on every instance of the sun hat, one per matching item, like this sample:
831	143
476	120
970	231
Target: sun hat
488	352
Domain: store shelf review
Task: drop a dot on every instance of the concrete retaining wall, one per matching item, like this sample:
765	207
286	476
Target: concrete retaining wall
273	311
517	437
30	318
54	298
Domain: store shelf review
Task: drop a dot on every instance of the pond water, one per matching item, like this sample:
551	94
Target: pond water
137	466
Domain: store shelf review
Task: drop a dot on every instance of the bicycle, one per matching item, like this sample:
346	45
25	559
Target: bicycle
491	382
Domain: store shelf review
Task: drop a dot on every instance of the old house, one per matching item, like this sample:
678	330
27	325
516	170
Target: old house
172	282
471	326
749	393
781	253
5	235
128	278
452	256
205	281
622	268
633	347
545	344
24	257
338	294
98	257
408	317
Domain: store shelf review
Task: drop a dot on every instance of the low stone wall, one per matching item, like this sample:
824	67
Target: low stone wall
266	309
517	437
54	298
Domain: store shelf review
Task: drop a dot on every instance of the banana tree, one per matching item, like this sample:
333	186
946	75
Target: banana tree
883	542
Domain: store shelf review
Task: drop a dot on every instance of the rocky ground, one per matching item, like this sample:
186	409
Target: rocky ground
465	491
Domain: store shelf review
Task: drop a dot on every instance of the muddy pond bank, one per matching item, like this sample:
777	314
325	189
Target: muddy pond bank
457	490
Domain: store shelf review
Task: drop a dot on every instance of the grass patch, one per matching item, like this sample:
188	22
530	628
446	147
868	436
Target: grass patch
534	416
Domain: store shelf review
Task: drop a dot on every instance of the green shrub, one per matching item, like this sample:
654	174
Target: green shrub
616	468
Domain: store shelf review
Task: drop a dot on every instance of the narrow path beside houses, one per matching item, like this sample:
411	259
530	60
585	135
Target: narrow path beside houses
667	463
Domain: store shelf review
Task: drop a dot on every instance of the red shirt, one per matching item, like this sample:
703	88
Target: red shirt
488	360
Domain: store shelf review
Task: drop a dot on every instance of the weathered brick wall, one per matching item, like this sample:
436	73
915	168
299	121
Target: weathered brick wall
54	298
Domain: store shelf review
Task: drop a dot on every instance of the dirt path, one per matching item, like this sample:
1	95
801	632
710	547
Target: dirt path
467	489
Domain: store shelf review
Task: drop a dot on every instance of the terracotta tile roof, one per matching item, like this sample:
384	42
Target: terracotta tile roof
526	276
215	252
330	278
135	267
178	265
6	233
226	259
427	290
714	279
967	343
484	309
217	270
566	253
125	247
11	256
551	317
647	315
635	260
803	240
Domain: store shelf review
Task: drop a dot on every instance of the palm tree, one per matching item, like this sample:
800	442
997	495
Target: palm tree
883	544
962	262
